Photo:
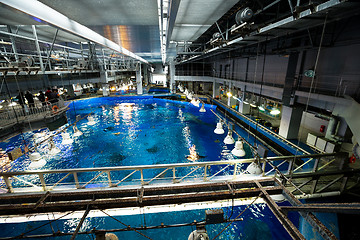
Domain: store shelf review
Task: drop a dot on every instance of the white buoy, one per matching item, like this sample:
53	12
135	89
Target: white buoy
229	139
254	169
238	150
77	132
219	128
66	138
34	156
202	109
91	120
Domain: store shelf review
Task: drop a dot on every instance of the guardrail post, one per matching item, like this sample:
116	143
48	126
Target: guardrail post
76	180
109	179
142	177
316	164
8	184
205	172
235	170
174	175
291	166
42	180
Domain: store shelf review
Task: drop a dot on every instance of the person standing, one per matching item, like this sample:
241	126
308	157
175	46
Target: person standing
41	98
21	99
30	98
47	93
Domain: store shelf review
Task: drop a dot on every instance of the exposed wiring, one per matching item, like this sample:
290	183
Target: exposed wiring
237	217
128	226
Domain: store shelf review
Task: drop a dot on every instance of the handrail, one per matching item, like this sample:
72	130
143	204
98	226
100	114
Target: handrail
157	166
265	129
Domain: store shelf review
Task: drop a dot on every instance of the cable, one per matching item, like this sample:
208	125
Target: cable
20	236
237	217
128	226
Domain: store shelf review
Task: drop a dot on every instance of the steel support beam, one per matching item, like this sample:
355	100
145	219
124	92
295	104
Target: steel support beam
52	17
346	208
174	7
309	217
284	220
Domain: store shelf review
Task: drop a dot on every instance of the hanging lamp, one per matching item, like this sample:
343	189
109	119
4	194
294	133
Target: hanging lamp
202	109
53	148
77	132
91	120
238	150
229	139
66	138
254	169
219	128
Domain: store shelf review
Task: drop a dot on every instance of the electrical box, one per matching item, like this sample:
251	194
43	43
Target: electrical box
214	216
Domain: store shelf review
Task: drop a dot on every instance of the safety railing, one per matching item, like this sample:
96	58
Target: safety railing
80	178
17	113
259	126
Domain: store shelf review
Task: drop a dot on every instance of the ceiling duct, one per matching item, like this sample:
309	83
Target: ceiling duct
244	15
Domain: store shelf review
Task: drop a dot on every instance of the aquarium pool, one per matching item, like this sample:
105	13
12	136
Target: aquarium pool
142	131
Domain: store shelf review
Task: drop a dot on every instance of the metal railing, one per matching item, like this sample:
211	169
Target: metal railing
259	126
13	114
122	176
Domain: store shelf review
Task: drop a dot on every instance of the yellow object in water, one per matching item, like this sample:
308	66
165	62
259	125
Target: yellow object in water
117	133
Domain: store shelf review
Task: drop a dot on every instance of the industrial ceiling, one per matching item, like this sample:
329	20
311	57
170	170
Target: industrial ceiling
158	31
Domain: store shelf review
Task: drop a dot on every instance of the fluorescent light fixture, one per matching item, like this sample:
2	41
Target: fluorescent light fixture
252	105
246	101
261	108
229	94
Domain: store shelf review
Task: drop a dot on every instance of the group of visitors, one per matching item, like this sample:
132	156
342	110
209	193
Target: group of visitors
50	96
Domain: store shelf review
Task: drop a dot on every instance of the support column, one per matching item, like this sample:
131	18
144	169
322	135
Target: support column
290	115
38	49
290	121
216	89
288	92
243	107
172	77
13	44
139	80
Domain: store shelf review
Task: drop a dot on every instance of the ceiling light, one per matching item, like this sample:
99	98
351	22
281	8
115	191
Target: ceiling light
261	108
229	94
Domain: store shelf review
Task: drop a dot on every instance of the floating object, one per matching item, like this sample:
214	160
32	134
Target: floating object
219	128
53	148
117	133
238	150
66	138
202	109
91	120
254	169
77	132
229	139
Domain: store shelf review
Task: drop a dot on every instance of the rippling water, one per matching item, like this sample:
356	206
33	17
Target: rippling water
146	131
